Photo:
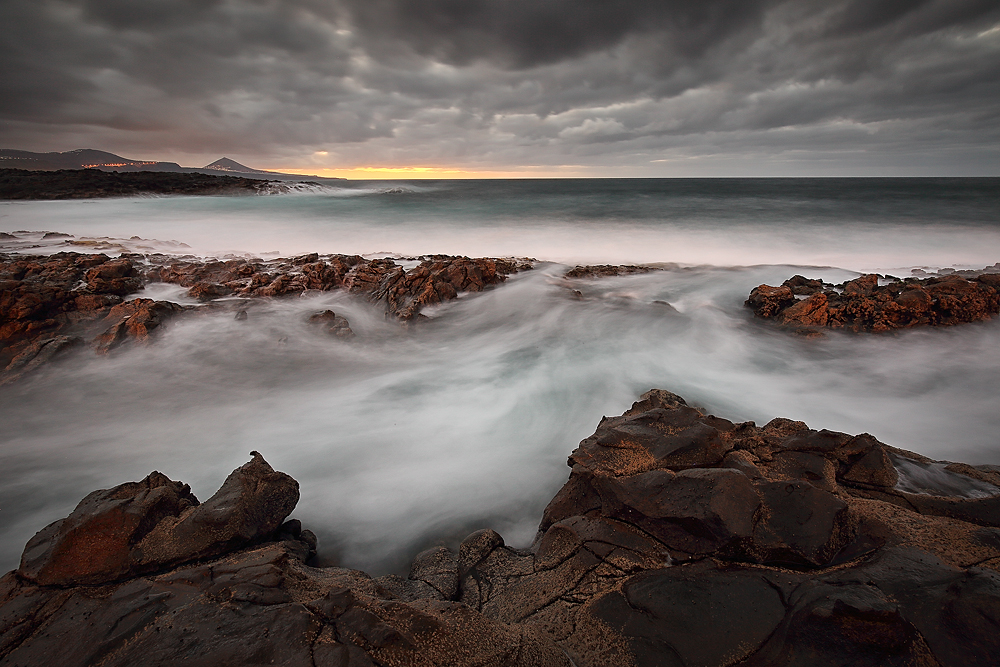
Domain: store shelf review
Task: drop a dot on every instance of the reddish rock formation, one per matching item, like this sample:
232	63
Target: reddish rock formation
404	293
45	302
438	280
42	297
863	305
133	320
680	538
143	526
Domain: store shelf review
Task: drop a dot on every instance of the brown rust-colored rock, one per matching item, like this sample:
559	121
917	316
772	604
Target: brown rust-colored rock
143	526
134	320
38	293
403	292
438	280
863	305
94	544
43	299
768	301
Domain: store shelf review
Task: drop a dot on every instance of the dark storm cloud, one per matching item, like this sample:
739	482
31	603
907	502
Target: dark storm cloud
525	33
500	83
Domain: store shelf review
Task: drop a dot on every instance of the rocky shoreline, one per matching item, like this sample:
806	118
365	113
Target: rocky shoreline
53	303
680	538
50	304
21	184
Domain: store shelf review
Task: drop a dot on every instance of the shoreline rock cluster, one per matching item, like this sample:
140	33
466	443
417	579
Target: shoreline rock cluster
53	303
680	538
21	184
874	303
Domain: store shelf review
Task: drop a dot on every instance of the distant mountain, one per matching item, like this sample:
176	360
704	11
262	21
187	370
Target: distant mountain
82	158
225	164
88	158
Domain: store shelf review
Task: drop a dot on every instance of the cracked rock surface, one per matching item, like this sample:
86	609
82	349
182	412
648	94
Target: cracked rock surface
680	538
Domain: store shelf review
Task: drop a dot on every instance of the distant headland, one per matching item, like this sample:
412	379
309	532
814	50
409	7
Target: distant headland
88	158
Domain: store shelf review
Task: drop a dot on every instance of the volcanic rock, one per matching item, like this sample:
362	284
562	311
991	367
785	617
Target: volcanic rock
39	352
142	526
116	276
863	305
680	538
205	291
403	293
43	298
66	296
133	320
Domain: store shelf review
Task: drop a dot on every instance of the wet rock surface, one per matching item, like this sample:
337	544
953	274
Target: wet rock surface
45	300
50	304
403	292
606	270
680	538
876	303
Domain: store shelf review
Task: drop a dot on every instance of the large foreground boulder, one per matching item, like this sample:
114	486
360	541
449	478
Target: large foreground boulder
144	526
680	538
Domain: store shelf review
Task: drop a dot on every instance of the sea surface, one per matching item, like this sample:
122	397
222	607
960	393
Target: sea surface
406	438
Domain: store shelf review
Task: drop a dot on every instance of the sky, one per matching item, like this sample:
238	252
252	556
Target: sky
452	88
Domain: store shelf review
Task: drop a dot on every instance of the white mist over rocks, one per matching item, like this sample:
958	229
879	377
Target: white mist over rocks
405	438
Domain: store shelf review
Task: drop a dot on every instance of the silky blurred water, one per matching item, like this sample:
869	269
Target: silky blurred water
405	438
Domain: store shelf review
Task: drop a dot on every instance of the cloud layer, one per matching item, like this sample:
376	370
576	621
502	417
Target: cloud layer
590	87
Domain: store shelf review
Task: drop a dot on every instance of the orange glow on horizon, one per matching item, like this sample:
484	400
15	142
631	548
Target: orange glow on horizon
414	173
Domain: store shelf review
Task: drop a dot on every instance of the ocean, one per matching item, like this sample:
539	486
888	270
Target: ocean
407	438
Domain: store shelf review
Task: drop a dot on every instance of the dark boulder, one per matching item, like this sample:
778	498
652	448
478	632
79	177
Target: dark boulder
332	323
144	526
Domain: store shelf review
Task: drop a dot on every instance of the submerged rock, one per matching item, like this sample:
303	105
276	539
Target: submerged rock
863	305
606	271
40	351
680	538
332	323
